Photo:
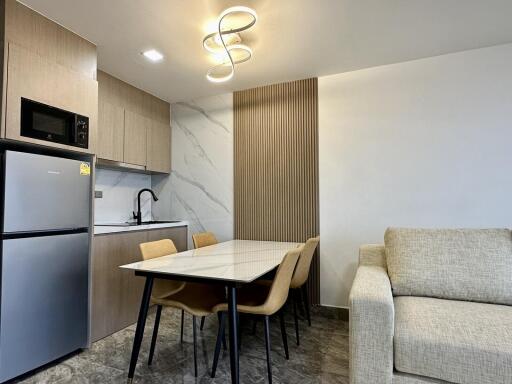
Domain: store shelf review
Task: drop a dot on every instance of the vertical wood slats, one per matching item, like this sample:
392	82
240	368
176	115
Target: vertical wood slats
276	165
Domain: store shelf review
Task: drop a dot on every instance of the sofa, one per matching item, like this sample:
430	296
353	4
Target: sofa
433	306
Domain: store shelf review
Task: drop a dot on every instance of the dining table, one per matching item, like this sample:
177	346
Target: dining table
232	264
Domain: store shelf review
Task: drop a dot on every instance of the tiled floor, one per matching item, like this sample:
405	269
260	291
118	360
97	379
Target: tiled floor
321	358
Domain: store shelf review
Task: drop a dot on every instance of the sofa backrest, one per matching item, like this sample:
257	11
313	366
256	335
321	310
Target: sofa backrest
458	264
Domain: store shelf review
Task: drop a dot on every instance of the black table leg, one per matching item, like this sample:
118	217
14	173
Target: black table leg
141	323
233	334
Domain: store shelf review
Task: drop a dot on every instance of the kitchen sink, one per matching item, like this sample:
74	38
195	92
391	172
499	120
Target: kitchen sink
158	222
132	223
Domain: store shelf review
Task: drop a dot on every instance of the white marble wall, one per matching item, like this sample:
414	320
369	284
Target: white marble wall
120	196
200	188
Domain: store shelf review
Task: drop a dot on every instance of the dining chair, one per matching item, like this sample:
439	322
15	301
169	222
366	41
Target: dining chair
203	239
298	287
298	284
194	298
262	303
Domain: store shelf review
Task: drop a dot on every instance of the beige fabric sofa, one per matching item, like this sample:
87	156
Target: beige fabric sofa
433	306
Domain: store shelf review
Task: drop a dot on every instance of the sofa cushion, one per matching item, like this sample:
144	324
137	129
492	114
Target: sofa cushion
460	264
456	341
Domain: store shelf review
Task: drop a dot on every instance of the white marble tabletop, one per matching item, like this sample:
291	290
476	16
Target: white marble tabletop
236	260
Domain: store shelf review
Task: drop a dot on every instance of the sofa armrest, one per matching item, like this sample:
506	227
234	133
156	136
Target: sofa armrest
371	327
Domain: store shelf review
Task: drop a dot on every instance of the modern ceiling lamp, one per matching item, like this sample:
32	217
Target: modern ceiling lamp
226	42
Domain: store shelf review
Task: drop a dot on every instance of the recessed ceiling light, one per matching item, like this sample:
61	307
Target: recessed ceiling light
153	55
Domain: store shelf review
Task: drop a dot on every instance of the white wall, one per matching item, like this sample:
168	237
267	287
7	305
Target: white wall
200	188
426	143
120	196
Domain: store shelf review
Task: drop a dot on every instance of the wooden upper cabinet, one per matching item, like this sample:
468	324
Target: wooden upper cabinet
110	143
135	137
37	78
142	136
159	147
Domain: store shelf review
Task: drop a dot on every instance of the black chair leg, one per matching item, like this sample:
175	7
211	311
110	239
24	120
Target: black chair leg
195	344
283	334
224	343
305	299
155	334
239	334
296	318
267	345
182	321
202	322
220	336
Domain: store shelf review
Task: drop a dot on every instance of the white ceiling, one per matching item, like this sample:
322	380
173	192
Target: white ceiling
293	39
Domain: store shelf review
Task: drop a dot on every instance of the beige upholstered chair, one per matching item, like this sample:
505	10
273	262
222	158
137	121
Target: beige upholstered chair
204	239
299	280
298	284
196	299
200	240
263	303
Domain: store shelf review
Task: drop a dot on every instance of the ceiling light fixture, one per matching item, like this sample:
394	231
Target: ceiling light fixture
227	41
153	55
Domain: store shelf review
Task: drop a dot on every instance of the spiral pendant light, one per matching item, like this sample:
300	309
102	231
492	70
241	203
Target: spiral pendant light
227	41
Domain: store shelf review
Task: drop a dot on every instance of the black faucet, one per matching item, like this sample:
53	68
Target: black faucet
138	215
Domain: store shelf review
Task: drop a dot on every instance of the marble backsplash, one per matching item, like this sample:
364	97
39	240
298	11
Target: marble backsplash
120	196
200	187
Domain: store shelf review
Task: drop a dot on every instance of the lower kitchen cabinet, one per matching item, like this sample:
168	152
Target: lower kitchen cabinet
116	293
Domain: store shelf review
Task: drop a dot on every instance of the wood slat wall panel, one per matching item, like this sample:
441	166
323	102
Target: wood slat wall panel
276	165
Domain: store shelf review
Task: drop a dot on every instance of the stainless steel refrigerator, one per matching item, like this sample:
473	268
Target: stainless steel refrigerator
44	260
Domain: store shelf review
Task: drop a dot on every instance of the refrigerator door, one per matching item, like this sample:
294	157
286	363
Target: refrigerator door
45	193
44	308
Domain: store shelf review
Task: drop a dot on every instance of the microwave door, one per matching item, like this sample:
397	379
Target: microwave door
44	122
45	193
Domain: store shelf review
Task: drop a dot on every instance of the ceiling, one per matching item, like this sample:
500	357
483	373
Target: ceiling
292	39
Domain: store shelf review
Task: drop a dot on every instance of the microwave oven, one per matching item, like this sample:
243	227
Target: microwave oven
44	122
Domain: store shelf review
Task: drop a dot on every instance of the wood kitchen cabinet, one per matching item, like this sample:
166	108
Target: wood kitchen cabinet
176	234
135	137
37	78
44	62
142	136
111	135
116	293
159	147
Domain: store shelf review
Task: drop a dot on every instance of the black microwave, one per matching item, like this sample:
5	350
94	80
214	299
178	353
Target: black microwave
44	122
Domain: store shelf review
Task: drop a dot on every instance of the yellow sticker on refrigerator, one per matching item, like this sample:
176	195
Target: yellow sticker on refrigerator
85	169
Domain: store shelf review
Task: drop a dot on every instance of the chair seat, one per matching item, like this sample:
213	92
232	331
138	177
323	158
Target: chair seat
196	299
456	341
250	299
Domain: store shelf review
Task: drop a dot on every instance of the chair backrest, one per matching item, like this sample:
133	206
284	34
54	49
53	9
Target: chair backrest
204	239
281	285
301	273
153	249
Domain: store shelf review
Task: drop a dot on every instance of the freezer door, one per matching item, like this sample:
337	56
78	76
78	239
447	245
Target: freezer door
45	193
44	307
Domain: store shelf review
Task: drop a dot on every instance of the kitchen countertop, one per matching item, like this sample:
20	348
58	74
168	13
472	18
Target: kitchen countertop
104	229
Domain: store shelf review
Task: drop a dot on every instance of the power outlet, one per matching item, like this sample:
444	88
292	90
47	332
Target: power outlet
98	194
